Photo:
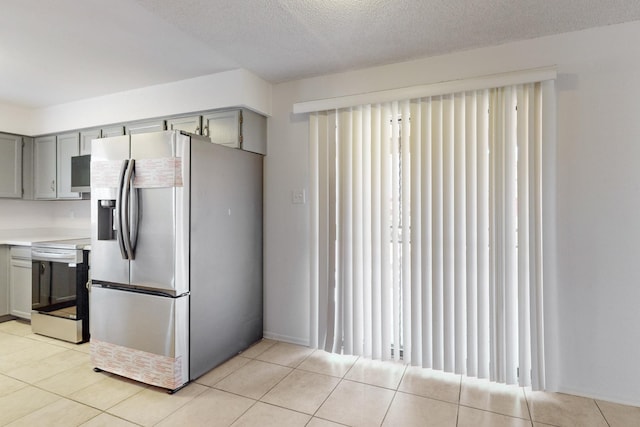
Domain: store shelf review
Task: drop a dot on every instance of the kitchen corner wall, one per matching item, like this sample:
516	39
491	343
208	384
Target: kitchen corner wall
72	214
235	88
592	309
20	214
15	119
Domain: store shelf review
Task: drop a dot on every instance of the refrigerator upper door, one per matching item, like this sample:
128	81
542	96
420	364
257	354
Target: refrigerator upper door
161	219
108	156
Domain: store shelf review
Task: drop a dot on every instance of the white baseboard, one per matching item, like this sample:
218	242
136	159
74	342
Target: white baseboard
599	396
286	338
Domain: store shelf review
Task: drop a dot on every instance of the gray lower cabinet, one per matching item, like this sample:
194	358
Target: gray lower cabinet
20	282
4	280
10	166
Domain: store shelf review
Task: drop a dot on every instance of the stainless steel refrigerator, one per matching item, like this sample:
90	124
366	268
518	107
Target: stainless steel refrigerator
176	255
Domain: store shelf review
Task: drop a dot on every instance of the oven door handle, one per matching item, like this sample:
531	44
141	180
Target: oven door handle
38	255
119	217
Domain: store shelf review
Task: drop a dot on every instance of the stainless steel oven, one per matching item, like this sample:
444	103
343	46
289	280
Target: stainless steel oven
60	300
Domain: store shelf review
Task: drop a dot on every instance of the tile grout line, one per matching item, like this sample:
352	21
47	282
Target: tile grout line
230	373
493	412
342	379
526	400
395	394
242	414
6	374
36	410
332	390
458	405
601	413
146	386
293	369
433	398
60	397
272	387
327	398
118	417
222	378
386	413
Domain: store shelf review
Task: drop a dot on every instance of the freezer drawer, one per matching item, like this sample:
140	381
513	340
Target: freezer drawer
140	336
140	321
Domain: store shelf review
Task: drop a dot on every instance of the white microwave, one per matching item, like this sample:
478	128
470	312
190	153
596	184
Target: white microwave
81	173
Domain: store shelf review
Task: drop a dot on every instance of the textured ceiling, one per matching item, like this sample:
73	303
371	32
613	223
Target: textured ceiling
57	51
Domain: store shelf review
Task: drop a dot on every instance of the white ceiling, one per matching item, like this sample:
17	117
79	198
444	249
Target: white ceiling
57	51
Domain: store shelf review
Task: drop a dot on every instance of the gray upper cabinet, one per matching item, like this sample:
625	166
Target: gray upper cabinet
191	124
40	168
44	165
86	137
237	128
10	166
27	168
112	131
253	128
68	146
52	166
223	127
145	126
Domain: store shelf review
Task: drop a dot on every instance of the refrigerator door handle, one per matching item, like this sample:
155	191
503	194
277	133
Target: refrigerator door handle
126	209
135	217
119	220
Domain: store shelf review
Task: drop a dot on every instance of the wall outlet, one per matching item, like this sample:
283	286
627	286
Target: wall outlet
298	197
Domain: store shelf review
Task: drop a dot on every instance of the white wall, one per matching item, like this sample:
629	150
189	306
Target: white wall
596	303
229	89
236	88
15	119
593	318
18	214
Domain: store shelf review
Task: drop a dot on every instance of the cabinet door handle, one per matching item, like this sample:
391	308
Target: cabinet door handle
53	185
205	130
198	131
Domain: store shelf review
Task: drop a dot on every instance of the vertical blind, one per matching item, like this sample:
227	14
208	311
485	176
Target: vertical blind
426	231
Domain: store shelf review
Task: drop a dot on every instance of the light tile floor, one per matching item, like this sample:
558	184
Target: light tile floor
45	382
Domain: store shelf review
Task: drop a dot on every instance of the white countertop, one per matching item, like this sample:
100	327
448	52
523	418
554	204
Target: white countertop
28	236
